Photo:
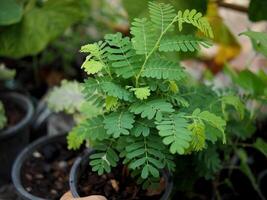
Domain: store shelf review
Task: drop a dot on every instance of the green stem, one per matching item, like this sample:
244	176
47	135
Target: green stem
153	50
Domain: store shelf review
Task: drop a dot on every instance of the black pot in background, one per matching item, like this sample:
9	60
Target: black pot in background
262	182
14	138
23	156
80	165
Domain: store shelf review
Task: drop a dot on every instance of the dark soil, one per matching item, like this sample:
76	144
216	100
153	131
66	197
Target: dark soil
114	186
46	173
14	113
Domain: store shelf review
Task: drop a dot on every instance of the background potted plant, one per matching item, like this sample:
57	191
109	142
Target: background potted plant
16	114
151	109
48	159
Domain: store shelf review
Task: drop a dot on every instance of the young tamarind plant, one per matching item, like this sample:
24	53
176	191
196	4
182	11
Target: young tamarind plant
149	114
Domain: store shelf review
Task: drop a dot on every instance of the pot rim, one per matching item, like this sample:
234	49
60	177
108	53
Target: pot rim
73	179
25	153
25	103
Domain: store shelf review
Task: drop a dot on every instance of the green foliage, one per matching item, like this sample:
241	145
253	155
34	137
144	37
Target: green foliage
3	119
259	41
235	102
183	43
139	10
141	93
257	10
149	114
147	155
261	145
253	84
6	74
196	19
144	38
208	162
103	161
123	59
88	130
198	135
152	109
40	25
244	167
212	120
10	12
163	69
68	97
119	123
161	15
175	132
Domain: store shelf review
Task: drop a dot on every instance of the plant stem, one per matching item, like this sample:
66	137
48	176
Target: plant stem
233	6
153	50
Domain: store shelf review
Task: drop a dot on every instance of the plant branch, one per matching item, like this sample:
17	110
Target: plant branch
154	49
233	6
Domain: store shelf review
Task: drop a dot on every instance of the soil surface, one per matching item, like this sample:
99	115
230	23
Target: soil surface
115	186
14	113
46	173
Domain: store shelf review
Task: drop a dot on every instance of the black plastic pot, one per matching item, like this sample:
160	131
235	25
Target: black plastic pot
14	138
80	165
23	156
262	182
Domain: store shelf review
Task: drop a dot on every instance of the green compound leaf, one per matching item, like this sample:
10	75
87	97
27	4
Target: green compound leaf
75	139
105	158
122	56
96	90
141	93
198	135
212	120
151	109
208	162
144	38
90	129
111	103
174	131
196	19
146	154
119	123
183	43
261	145
161	15
163	69
235	102
115	90
92	66
142	127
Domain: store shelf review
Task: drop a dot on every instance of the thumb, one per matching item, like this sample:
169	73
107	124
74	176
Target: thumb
93	197
68	196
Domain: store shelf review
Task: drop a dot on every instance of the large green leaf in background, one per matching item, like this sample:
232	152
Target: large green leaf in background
39	26
259	41
139	8
257	10
10	12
